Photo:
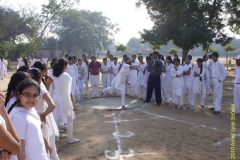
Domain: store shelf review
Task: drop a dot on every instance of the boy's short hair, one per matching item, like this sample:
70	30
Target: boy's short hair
104	59
215	54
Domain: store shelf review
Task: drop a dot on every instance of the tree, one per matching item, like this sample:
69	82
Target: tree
85	31
121	48
108	53
209	49
155	47
12	25
228	48
188	23
173	51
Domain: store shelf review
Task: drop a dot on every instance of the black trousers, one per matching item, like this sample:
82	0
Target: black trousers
154	82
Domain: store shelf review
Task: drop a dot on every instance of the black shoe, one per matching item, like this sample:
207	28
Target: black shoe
212	109
201	107
215	112
123	107
102	94
159	104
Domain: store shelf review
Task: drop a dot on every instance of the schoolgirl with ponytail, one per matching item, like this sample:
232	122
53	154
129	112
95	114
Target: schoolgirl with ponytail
63	98
85	63
198	82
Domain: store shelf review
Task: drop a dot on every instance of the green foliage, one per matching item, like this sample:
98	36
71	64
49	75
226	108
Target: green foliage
121	48
85	31
4	47
155	47
209	49
173	51
229	48
108	53
187	23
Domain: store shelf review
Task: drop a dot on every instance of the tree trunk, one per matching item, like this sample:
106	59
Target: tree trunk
184	54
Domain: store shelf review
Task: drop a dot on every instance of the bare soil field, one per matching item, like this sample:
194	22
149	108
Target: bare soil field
150	132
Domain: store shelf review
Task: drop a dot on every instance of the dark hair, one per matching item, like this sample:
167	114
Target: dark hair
155	52
40	65
25	61
215	54
54	60
93	57
74	57
23	69
14	81
86	61
1	58
70	58
24	84
205	56
66	55
177	59
148	57
140	57
190	57
110	55
104	59
175	55
115	58
169	58
35	73
79	59
201	60
59	66
134	55
124	55
210	56
162	57
150	54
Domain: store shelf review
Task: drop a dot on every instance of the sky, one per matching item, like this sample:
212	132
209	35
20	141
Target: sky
129	18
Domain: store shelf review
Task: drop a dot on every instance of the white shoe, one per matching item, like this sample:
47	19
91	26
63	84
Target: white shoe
73	140
62	136
61	130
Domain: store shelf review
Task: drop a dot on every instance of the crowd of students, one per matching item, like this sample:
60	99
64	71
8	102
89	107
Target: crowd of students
41	104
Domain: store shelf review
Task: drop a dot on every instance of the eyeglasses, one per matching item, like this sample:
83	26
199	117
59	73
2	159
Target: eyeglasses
29	96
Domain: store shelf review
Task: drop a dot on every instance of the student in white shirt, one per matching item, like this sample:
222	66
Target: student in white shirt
236	93
72	72
2	67
9	139
146	75
5	62
142	66
207	74
110	61
27	122
188	78
81	73
167	83
86	76
19	60
198	83
210	68
219	74
105	70
32	61
133	76
177	83
45	60
114	71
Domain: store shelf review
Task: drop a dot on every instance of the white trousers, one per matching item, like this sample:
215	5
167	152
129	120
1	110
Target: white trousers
94	90
85	89
106	80
2	69
51	140
178	100
167	94
217	100
134	89
69	126
80	87
142	91
194	99
236	97
189	95
111	89
207	82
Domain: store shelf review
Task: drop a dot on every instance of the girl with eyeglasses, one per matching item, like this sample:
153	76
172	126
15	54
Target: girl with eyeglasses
28	123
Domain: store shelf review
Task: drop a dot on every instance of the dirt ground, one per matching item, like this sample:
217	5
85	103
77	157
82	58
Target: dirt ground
150	132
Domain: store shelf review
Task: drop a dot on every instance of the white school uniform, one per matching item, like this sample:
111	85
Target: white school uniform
210	68
119	82
219	74
177	85
86	69
167	83
32	61
45	60
106	77
28	126
198	85
5	62
114	69
207	80
146	76
110	62
63	111
72	72
141	81
236	92
81	74
133	79
188	81
2	68
19	60
49	127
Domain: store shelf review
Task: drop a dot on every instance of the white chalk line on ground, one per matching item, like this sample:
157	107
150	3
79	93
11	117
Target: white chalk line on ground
190	123
117	154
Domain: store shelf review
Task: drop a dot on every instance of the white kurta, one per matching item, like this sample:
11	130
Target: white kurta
177	82
167	83
115	69
199	86
45	60
133	75
187	78
72	72
19	60
2	68
106	76
61	97
86	69
142	66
